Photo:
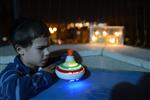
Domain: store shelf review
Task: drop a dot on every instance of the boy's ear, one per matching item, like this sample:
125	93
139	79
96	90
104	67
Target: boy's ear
20	50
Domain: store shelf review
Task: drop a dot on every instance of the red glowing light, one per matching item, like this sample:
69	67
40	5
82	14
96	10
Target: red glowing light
70	52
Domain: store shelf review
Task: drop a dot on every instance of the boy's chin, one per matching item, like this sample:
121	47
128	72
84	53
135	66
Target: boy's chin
43	64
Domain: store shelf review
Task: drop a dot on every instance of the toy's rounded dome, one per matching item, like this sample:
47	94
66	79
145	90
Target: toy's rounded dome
70	69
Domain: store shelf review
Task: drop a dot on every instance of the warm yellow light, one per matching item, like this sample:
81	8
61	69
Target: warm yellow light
105	33
79	25
59	42
55	29
87	24
97	32
71	25
117	33
112	40
94	38
52	30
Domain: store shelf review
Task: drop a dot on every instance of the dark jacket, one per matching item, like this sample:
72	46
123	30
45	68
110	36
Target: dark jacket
19	82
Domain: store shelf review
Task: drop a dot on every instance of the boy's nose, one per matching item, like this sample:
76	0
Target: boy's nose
46	51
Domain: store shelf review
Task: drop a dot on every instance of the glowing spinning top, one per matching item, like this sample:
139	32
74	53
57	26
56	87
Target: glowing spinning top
70	69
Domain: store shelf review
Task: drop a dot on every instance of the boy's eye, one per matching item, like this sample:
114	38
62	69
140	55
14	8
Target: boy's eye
41	48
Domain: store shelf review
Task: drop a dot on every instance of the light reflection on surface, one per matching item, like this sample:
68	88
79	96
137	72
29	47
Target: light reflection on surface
76	86
98	85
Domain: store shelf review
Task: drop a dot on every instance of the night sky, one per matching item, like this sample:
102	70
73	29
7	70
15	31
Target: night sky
133	14
66	10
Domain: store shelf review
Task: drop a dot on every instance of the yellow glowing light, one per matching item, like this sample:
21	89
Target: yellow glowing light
55	29
79	25
87	24
52	30
117	33
97	32
71	25
59	41
117	41
101	33
105	33
94	38
112	40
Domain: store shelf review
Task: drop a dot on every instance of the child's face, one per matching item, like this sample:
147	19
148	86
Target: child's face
37	54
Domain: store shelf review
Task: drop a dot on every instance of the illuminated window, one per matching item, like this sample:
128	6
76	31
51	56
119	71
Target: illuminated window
106	34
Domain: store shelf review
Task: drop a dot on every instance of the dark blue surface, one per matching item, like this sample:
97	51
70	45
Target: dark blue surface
97	86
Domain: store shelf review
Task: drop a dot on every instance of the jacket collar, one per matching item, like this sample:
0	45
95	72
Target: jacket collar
21	67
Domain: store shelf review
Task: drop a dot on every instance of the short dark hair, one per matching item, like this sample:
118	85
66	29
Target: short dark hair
27	31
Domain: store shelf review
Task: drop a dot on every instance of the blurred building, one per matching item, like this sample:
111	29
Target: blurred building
134	15
69	33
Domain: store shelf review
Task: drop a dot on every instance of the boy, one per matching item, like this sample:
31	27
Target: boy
25	77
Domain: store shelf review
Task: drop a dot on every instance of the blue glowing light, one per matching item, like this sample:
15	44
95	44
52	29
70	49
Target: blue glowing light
74	80
71	80
77	79
76	86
